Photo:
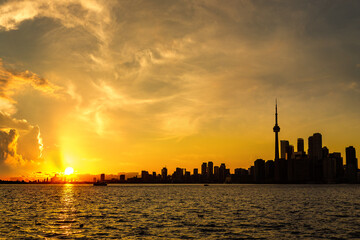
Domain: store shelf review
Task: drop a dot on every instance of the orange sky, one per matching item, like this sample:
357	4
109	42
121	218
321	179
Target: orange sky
123	86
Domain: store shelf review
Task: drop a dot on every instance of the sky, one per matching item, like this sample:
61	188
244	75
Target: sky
125	86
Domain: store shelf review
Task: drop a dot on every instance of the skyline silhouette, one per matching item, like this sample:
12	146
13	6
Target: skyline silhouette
318	165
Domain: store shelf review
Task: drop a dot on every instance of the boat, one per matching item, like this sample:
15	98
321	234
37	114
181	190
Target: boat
206	185
100	184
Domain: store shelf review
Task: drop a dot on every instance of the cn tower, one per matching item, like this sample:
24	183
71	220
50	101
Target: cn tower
276	131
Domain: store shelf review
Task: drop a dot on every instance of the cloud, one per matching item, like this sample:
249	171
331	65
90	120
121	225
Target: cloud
30	145
8	148
20	142
6	121
11	80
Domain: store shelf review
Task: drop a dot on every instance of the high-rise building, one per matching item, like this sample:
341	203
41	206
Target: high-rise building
351	164
210	169
222	172
284	146
216	173
290	152
333	169
316	157
196	171
276	131
351	157
204	169
300	145
269	171
315	146
102	177
164	173
259	171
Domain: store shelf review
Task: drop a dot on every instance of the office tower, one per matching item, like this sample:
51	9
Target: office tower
210	169
203	169
351	164
216	170
315	146
178	175
276	131
290	152
222	172
102	177
196	171
284	146
316	157
333	169
325	152
216	173
122	178
300	145
145	176
269	171
259	171
164	173
351	157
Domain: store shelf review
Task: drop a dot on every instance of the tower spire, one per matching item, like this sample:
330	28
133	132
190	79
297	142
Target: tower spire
276	131
276	114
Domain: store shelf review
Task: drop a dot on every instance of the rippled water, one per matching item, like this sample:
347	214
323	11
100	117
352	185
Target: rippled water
179	211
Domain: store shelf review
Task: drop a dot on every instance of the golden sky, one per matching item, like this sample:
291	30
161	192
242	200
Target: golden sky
124	86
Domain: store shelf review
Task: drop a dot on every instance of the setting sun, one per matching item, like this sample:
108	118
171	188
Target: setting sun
69	171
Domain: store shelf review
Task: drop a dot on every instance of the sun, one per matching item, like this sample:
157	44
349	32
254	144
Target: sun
69	170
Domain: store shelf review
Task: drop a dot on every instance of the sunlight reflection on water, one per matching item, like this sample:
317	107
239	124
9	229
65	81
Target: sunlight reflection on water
179	211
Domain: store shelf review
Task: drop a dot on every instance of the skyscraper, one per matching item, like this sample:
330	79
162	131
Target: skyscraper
259	171
300	145
204	169
315	156
210	169
284	146
276	131
315	146
351	164
164	173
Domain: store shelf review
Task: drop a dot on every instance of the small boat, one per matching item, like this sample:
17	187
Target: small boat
206	185
100	184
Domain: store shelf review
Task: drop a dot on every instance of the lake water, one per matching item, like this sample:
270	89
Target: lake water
179	211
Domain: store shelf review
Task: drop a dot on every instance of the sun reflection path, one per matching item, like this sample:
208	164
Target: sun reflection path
67	214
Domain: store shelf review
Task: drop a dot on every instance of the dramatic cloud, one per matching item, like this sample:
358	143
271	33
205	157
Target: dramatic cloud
8	148
16	148
30	145
10	81
6	121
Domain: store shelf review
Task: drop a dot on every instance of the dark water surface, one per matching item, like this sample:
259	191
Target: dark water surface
179	211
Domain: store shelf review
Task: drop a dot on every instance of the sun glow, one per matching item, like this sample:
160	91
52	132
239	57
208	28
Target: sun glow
69	171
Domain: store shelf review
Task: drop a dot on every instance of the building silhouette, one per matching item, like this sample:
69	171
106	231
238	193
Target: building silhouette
300	145
284	148
259	171
164	173
351	164
204	169
210	171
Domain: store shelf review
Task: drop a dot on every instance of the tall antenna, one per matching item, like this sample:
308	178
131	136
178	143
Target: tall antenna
276	114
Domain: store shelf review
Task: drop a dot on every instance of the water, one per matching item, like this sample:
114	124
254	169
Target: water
179	211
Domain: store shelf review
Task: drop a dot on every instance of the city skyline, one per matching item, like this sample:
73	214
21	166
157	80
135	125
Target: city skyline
316	165
121	86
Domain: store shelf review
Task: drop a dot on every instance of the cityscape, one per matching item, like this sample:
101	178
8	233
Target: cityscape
317	165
